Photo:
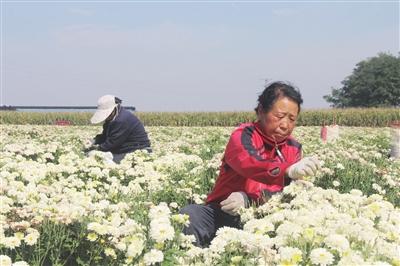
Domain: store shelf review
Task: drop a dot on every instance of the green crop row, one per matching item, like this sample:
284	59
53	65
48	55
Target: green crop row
371	117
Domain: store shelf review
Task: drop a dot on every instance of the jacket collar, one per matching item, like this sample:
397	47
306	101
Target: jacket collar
268	139
117	111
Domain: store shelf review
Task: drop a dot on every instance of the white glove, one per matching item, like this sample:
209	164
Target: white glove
307	166
106	156
234	202
88	143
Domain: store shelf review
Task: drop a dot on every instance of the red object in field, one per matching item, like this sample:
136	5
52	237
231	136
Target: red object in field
62	122
395	147
395	124
324	132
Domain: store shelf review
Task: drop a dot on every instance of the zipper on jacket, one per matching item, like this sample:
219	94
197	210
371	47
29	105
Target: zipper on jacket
278	152
280	155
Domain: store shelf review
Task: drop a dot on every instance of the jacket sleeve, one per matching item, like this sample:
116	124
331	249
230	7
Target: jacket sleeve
118	133
243	157
100	138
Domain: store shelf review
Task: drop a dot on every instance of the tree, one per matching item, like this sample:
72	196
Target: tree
375	82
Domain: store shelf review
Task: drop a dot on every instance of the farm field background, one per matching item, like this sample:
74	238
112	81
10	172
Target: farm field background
59	207
362	117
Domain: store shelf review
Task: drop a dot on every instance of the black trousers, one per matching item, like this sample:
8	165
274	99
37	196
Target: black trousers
205	220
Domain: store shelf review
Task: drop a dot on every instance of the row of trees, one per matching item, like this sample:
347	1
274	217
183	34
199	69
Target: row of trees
375	82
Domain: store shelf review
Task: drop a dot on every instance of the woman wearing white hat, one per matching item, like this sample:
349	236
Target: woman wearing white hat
122	132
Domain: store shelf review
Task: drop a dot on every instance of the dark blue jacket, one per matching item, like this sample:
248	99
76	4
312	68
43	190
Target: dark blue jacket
125	133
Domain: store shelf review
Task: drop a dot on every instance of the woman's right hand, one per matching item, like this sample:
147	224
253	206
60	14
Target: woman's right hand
234	202
88	142
307	166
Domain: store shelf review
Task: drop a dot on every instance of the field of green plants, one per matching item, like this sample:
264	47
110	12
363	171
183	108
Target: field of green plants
370	117
59	207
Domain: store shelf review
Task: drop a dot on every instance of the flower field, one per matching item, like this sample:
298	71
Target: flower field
59	207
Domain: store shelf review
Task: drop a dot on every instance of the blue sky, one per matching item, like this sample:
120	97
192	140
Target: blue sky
185	56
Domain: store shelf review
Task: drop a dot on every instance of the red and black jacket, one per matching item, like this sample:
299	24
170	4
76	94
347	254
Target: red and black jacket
254	164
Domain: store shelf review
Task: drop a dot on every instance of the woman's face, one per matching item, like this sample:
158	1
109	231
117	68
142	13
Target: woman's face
280	121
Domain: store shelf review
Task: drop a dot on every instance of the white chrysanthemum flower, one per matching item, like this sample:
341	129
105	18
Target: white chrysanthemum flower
161	210
174	205
390	250
246	214
289	229
340	166
19	235
321	256
351	259
290	256
258	226
195	252
337	242
186	241
336	183
257	243
110	253
100	229
224	235
197	199
135	247
309	233
378	188
276	217
153	257
92	237
19	263
31	239
11	242
181	219
121	246
5	260
6	204
356	192
161	231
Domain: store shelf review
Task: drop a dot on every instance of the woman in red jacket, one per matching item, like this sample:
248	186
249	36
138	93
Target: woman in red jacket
260	159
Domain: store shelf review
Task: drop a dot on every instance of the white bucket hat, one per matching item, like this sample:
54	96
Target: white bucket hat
105	106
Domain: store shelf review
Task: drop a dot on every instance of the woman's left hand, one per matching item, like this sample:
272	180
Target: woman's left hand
307	166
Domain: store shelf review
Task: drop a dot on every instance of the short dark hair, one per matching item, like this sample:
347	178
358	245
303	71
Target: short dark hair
274	91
